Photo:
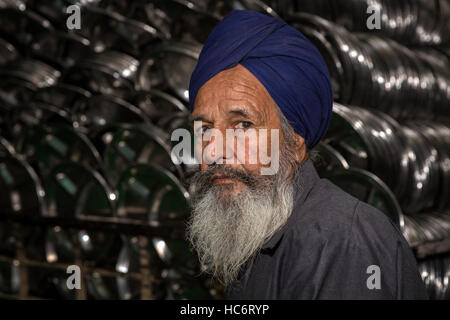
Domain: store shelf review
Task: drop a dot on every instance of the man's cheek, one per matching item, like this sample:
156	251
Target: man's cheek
246	146
269	151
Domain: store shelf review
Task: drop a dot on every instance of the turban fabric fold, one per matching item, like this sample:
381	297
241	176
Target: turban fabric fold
281	58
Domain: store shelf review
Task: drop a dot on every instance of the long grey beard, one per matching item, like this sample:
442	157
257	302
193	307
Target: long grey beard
226	231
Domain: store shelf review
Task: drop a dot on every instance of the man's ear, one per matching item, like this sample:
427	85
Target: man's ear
300	150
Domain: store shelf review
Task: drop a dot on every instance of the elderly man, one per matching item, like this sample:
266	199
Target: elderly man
290	234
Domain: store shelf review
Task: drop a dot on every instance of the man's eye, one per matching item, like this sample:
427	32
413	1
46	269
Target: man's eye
244	125
203	129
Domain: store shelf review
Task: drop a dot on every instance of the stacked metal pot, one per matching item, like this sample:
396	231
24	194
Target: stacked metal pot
86	116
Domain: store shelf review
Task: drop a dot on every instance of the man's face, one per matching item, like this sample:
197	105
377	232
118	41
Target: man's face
235	208
235	99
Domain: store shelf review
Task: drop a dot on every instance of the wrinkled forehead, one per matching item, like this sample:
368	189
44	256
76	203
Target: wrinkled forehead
235	86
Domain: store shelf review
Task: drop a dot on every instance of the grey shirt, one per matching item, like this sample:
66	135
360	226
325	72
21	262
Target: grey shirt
333	246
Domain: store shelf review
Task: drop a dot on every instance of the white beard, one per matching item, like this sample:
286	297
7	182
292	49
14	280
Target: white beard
226	231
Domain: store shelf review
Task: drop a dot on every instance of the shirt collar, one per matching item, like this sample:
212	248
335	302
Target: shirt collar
304	180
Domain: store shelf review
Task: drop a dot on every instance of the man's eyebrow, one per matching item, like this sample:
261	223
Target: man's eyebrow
237	111
197	118
243	112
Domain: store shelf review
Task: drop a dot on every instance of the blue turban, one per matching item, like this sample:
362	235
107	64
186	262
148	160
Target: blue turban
284	61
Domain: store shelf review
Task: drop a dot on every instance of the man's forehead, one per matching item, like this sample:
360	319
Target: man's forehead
232	88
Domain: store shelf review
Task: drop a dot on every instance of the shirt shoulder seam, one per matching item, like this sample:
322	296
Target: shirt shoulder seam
354	216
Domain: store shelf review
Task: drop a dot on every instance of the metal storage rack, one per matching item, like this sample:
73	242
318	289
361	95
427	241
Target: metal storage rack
117	225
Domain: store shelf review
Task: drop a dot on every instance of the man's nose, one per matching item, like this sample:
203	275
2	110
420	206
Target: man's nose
218	150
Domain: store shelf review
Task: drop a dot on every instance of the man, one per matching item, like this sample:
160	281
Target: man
290	234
